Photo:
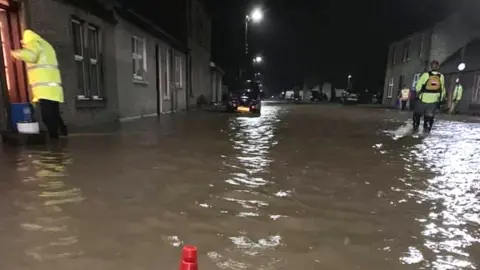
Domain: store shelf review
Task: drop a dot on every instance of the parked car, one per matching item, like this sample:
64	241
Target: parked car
317	96
349	98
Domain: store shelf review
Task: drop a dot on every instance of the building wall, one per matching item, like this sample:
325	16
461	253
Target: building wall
52	20
443	39
450	35
141	97
398	66
199	43
137	97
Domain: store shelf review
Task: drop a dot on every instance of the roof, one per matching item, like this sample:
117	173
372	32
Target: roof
470	55
93	7
146	24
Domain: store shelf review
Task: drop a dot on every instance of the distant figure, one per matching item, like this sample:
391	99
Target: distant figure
44	79
430	92
404	97
457	96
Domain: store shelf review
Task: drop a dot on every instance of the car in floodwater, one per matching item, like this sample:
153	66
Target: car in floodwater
349	98
246	102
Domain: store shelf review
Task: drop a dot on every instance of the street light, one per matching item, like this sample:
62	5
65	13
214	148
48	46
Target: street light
462	67
348	81
256	15
258	59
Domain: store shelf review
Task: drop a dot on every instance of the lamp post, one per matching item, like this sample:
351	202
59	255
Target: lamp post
348	81
255	16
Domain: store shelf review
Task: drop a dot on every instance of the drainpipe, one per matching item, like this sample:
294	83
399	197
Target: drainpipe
429	50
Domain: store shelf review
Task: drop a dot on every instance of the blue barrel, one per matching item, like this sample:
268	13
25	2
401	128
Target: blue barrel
21	113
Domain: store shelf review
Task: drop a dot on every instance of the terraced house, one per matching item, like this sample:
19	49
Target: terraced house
119	59
448	42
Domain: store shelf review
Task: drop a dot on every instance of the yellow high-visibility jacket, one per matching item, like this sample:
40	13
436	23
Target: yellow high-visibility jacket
42	67
457	92
430	97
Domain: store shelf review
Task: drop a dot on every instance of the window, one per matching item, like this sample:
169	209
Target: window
78	37
93	55
420	48
416	77
390	88
476	90
393	55
139	55
178	71
86	47
406	51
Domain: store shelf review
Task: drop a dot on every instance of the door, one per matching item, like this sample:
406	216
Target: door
476	90
158	79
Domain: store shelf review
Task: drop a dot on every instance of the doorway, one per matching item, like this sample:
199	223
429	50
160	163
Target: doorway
158	79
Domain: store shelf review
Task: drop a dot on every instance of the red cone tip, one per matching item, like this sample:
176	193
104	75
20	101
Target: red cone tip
189	258
189	254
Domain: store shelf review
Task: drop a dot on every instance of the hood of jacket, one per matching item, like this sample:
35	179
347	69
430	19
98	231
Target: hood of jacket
29	36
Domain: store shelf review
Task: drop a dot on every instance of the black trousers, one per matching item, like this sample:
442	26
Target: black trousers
428	111
404	104
52	119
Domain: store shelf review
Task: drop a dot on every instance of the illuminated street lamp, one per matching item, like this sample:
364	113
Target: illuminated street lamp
462	67
256	15
348	81
258	59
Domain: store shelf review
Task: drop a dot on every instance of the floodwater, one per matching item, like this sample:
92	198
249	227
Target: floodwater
301	187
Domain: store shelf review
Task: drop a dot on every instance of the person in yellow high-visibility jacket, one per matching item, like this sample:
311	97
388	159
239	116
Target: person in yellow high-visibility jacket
457	96
431	91
44	79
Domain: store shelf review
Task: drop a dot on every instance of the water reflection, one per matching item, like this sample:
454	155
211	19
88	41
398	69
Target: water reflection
252	139
42	215
452	153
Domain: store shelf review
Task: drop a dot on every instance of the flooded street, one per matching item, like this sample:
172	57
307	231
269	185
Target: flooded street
301	187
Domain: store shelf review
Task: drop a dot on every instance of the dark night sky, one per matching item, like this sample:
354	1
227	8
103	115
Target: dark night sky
328	39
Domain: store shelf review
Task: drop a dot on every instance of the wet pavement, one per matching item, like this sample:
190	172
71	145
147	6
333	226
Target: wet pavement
301	187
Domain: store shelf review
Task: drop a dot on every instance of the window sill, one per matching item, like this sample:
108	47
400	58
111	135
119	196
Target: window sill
166	98
90	103
142	82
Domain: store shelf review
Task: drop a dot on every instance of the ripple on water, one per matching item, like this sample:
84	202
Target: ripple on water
450	229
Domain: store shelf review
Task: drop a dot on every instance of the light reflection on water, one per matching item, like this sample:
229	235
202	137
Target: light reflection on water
41	212
452	153
251	138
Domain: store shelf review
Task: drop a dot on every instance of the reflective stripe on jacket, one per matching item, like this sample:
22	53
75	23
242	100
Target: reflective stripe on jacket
42	67
405	94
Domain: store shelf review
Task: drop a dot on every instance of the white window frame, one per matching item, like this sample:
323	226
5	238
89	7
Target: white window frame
391	85
179	68
94	61
142	55
80	58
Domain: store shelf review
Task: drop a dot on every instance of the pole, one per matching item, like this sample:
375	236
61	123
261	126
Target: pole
246	35
245	68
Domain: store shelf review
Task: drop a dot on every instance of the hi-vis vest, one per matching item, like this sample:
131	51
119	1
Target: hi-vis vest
434	83
42	67
405	94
